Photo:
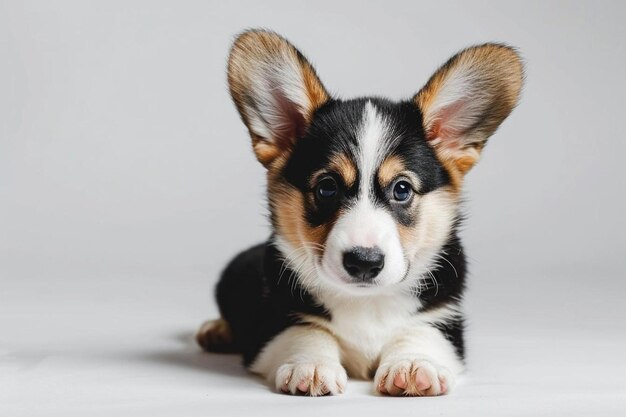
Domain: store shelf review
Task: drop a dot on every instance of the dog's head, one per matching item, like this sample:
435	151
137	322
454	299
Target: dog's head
364	193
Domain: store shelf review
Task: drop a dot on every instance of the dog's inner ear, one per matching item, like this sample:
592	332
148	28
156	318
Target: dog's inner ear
465	101
275	89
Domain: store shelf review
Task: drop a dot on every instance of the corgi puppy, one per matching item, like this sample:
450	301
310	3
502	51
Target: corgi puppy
364	272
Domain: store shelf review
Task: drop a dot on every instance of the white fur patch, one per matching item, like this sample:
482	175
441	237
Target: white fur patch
303	359
372	147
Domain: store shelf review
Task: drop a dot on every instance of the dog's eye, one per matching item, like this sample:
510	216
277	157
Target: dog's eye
326	188
402	191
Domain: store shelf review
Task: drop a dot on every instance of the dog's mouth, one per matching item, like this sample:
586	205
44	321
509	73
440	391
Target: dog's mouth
364	284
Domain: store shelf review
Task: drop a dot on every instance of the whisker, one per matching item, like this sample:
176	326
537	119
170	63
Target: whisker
450	263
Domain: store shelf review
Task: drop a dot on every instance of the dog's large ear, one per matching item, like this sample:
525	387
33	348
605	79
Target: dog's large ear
465	101
275	89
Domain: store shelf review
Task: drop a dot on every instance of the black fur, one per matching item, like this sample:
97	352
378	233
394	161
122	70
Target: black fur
447	288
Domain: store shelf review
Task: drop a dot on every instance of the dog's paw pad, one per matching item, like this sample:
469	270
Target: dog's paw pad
215	336
311	379
419	377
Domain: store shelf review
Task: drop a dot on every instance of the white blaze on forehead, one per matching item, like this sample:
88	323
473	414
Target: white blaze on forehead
372	147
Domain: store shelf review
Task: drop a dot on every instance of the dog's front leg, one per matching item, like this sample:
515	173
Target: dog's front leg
303	359
421	361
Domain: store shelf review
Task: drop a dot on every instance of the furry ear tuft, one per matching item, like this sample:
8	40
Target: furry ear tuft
465	101
275	90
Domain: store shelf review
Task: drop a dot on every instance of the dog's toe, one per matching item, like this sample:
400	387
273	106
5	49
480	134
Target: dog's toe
419	377
311	379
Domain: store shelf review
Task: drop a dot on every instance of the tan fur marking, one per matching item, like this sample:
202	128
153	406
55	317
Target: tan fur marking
389	169
288	207
315	90
265	152
439	207
456	175
407	234
464	163
344	167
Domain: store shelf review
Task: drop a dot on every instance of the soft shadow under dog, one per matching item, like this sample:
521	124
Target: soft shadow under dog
192	357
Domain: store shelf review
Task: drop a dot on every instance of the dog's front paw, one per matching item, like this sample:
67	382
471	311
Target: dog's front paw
413	377
312	379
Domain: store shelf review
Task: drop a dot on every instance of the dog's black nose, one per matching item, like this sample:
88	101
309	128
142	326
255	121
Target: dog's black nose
363	263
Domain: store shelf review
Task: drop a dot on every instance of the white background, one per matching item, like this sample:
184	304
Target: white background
127	181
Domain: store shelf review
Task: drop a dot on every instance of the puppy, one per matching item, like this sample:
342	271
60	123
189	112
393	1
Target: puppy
364	272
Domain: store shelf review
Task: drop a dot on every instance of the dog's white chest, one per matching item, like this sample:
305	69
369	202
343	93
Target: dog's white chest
364	326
